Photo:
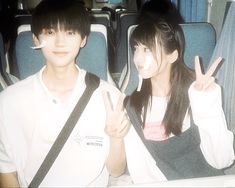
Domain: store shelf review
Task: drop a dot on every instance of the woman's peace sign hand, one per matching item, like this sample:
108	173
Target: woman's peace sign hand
205	82
117	122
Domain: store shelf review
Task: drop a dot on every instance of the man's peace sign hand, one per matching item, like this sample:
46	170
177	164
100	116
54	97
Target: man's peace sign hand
117	122
205	82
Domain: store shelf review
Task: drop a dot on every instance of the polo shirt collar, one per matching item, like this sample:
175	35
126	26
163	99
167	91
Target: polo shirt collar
77	90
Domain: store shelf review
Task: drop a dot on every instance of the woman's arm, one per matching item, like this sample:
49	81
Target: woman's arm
205	100
208	115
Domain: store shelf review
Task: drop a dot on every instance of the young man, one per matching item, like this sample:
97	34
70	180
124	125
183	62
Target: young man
33	111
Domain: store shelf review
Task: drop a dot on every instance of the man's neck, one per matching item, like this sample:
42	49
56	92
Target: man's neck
61	81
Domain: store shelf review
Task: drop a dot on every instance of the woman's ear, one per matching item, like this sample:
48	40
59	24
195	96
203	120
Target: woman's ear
173	56
35	40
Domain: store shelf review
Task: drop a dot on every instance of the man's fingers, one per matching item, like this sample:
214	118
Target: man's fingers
107	101
125	125
119	106
125	128
119	126
110	130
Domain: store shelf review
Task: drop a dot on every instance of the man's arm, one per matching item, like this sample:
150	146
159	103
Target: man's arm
9	180
116	161
117	126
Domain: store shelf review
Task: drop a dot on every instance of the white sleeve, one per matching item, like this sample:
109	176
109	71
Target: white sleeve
6	164
208	115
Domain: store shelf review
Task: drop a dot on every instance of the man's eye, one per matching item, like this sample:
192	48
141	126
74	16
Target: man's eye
49	32
71	32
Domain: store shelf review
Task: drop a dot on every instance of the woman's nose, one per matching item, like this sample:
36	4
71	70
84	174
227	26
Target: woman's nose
138	57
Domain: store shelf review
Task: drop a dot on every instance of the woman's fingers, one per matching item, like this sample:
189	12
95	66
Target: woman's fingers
213	67
198	69
205	81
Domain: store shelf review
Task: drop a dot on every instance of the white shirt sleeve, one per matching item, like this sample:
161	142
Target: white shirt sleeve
208	115
6	165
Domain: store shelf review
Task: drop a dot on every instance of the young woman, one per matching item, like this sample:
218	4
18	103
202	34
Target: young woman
179	129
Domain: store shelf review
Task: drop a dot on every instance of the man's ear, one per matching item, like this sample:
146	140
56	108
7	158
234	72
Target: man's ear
35	40
173	56
83	43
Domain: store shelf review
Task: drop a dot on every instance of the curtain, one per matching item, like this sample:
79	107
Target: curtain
193	10
225	48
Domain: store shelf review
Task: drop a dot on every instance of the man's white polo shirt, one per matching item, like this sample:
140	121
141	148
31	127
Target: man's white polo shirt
30	120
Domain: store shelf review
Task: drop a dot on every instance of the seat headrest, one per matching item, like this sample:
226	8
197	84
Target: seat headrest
92	58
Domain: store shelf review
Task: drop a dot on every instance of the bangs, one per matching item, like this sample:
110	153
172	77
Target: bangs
52	21
144	34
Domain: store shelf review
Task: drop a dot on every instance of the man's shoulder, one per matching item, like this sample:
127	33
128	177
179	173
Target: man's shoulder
19	87
104	85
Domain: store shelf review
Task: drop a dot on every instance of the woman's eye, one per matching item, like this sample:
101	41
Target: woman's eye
146	50
135	48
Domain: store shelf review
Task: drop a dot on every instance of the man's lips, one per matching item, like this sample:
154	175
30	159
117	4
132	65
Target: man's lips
58	53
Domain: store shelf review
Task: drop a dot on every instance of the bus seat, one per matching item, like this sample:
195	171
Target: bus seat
5	78
93	57
105	17
200	39
124	20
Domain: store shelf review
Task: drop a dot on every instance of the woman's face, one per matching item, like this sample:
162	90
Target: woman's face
149	64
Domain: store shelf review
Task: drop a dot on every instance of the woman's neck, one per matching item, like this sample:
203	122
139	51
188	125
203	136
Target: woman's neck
161	85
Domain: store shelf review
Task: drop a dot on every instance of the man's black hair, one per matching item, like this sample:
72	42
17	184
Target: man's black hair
69	14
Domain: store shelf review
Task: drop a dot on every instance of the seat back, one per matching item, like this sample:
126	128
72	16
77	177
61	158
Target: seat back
22	19
200	39
4	78
124	21
104	17
100	17
93	57
2	83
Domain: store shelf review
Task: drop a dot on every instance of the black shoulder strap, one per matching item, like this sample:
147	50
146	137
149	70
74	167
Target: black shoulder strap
92	82
137	124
